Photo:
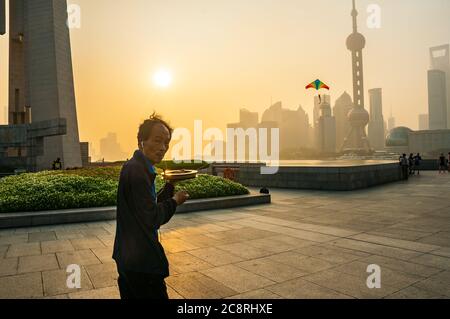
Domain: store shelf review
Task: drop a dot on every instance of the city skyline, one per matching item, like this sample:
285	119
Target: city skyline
209	74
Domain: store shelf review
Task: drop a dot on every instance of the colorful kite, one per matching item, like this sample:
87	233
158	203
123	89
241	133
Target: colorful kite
317	84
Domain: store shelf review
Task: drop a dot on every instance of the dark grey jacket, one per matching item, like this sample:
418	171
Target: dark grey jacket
136	246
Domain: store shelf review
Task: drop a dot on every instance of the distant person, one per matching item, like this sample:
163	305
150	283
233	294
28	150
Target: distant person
442	161
404	165
448	162
411	164
57	165
417	162
142	264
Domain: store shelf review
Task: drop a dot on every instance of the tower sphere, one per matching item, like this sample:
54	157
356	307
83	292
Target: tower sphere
358	117
356	42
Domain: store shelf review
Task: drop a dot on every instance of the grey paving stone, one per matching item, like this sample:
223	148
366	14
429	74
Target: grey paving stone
439	239
7	232
271	269
21	286
443	252
398	243
297	242
433	261
41	236
102	293
195	285
103	275
238	279
174	245
211	228
438	284
49	228
301	289
184	262
376	249
103	254
215	256
201	241
68	234
338	232
28	249
92	232
304	263
336	256
399	233
407	267
14	239
64	296
8	266
413	292
271	244
257	294
55	282
107	240
56	246
349	285
87	243
393	278
245	251
79	257
29	264
297	233
172	293
27	230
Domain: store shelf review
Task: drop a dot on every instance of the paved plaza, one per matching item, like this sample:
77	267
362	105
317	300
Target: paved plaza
306	244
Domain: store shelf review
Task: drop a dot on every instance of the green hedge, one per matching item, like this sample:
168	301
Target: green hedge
94	187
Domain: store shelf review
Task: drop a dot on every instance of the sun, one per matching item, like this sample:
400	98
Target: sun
162	78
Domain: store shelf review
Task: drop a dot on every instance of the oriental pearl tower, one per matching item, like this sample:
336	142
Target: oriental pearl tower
357	141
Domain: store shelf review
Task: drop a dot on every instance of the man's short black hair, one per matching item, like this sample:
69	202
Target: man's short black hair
145	129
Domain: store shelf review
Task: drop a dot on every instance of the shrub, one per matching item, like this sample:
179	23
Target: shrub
91	187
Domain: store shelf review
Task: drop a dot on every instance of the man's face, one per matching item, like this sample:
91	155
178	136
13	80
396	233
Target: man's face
157	145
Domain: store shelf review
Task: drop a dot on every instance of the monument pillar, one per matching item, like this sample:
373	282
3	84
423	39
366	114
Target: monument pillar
41	84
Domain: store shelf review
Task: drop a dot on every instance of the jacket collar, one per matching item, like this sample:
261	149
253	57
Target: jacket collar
140	157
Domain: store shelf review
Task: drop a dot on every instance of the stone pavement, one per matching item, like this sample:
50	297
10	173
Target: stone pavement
307	244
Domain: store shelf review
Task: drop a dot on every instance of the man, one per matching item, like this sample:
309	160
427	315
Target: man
442	162
57	165
141	261
417	161
404	165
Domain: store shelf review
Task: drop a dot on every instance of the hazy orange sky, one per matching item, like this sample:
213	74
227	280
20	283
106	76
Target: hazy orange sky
228	54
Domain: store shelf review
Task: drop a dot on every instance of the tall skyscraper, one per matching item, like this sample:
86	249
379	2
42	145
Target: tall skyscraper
424	122
440	60
40	74
357	141
437	99
2	17
293	125
376	123
342	107
248	119
110	148
326	129
317	106
391	122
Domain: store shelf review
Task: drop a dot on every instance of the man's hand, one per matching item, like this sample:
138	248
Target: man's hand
181	197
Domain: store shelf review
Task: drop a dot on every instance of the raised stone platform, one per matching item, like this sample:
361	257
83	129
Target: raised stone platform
324	175
29	219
